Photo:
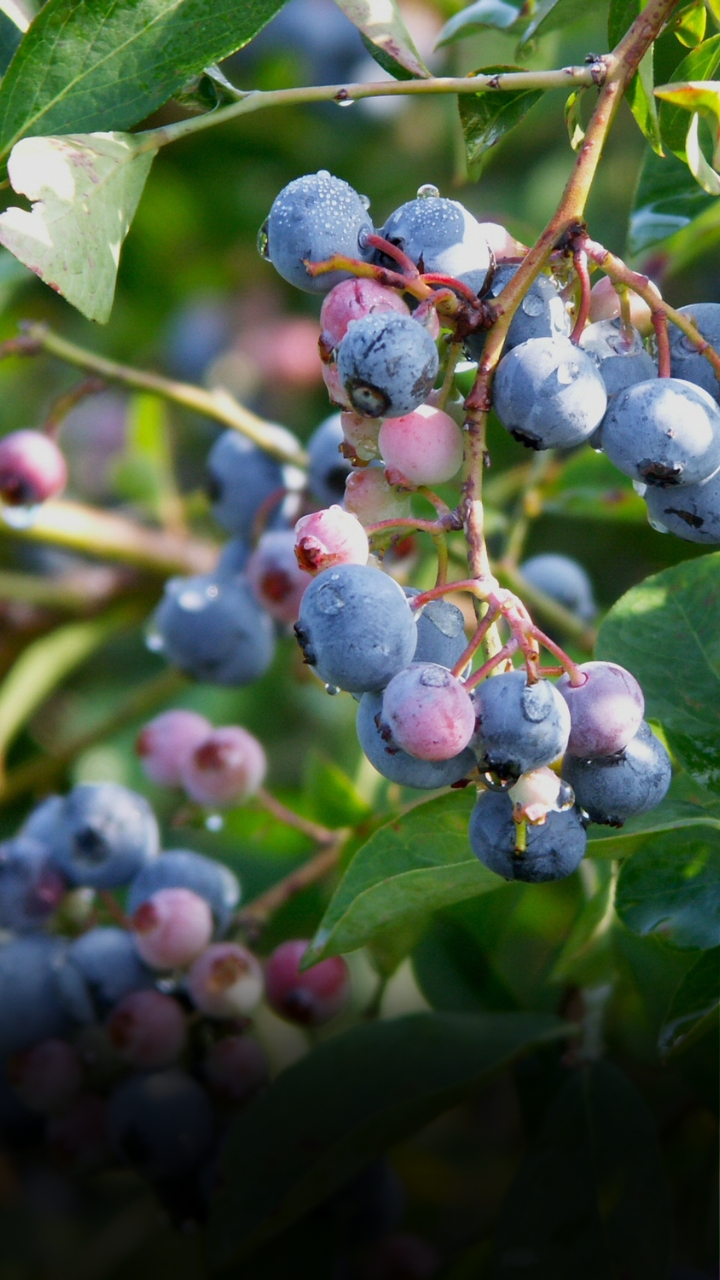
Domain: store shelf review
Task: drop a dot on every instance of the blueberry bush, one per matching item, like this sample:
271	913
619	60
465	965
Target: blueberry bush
359	732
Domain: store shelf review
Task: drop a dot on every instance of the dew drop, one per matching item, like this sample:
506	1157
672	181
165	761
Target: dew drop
639	487
428	191
263	242
532	305
214	822
365	202
345	102
20	517
657	526
565	374
323	173
332	689
153	640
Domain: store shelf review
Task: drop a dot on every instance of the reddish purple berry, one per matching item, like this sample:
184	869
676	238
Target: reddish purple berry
226	981
275	576
171	928
165	743
310	998
235	1068
32	468
422	447
427	712
326	538
148	1029
226	768
606	710
351	300
48	1076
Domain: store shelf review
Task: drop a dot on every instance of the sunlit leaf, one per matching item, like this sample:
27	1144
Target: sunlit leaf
639	93
476	17
488	115
573	119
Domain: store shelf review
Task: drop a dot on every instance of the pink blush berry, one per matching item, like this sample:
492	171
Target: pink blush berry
226	768
148	1029
275	576
226	981
32	468
48	1076
351	300
427	712
423	447
360	436
235	1068
330	537
165	743
369	497
605	711
335	388
171	928
310	998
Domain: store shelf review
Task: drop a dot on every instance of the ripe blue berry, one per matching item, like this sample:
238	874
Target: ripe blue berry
440	631
31	1007
356	627
690	511
555	848
327	468
105	835
101	966
311	219
521	726
441	236
214	629
541	314
241	477
606	710
563	580
549	394
182	869
388	364
161	1122
612	789
686	361
30	887
665	432
396	765
621	358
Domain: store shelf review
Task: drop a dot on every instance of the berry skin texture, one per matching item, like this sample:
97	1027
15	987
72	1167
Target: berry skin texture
48	1076
387	365
563	580
226	981
440	631
351	300
105	835
520	726
439	235
621	358
242	477
665	432
182	869
32	468
423	447
330	537
311	219
161	1122
549	394
356	627
109	967
541	314
171	928
427	712
555	848
275	576
148	1029
370	497
30	887
685	360
691	512
310	998
214	629
397	765
235	1068
606	711
612	789
164	743
31	1008
328	469
226	768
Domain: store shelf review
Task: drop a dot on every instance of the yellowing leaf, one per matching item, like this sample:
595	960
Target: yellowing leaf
84	190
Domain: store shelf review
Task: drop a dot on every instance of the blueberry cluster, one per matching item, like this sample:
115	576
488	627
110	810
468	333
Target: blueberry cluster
127	1043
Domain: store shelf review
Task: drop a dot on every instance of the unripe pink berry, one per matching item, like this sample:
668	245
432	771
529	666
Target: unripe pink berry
148	1029
235	1068
275	576
335	388
171	928
165	743
423	447
48	1076
427	712
32	468
310	998
226	981
503	245
330	537
605	305
360	436
226	768
606	710
369	497
351	300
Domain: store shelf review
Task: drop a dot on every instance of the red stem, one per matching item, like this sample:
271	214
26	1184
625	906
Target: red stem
506	652
660	325
571	667
406	264
480	633
581	269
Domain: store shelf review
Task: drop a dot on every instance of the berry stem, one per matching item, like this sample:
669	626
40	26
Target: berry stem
316	832
568	665
555	614
256	914
453	355
61	407
407	266
503	655
480	633
443	559
660	325
433	527
580	261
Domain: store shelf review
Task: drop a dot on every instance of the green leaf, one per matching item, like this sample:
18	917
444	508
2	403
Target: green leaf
453	963
487	116
589	487
10	37
671	209
673	886
639	93
702	98
144	472
589	933
701	64
323	1119
413	866
573	118
695	1007
85	190
386	36
86	65
476	17
555	15
590	1199
689	24
685	806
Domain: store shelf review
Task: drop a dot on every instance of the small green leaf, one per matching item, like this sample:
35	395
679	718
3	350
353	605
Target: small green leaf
573	119
476	17
85	190
639	93
671	209
672	886
487	116
555	15
694	1008
701	64
386	36
702	98
356	1095
689	24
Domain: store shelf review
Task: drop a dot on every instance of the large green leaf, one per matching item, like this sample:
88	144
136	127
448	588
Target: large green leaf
555	15
413	866
386	36
694	1009
487	116
590	1199
100	64
324	1118
701	64
672	885
639	93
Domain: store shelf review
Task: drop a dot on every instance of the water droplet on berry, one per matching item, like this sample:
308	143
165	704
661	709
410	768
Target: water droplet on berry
365	202
639	488
153	640
657	526
566	374
363	237
532	305
428	191
687	344
332	689
214	822
323	173
263	243
20	517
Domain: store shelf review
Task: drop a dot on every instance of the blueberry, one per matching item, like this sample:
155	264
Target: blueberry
664	432
442	236
691	512
541	314
101	966
182	869
549	394
30	887
105	834
521	726
31	1008
214	629
388	364
161	1123
41	822
242	477
356	628
440	631
196	335
563	580
555	848
621	358
311	219
686	361
397	765
233	558
613	788
327	468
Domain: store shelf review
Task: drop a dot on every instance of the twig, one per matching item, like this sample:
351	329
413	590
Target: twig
256	914
322	835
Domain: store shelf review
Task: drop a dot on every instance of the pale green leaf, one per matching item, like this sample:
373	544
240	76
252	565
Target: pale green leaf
702	172
476	17
386	35
573	118
84	190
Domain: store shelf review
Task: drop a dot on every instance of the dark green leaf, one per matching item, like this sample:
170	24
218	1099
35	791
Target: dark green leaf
487	116
555	15
694	1008
590	1199
701	64
672	885
639	94
386	36
324	1118
453	966
10	37
88	65
476	17
670	206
